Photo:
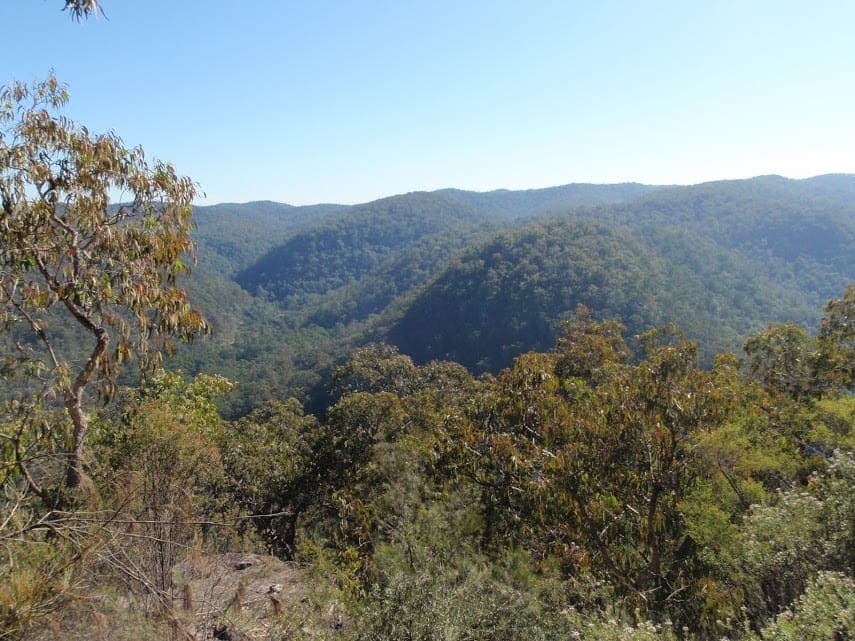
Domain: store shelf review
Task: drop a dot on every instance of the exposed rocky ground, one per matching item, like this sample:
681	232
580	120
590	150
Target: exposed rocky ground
232	597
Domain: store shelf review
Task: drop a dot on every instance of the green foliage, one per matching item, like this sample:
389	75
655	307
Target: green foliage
156	476
786	360
832	424
581	493
836	341
720	260
376	368
476	601
506	295
231	237
602	489
391	505
787	231
745	458
783	544
596	474
345	248
825	612
273	469
161	484
472	597
36	576
85	287
781	359
639	475
362	430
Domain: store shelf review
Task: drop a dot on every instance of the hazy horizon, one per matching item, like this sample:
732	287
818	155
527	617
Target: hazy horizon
340	102
502	189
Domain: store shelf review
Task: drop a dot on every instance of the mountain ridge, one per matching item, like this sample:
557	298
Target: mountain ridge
725	257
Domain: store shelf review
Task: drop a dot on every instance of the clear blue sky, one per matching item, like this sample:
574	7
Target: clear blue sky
320	101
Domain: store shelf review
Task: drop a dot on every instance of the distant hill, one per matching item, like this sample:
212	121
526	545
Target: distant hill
229	237
364	256
398	275
508	294
532	202
232	236
481	277
797	233
344	248
836	187
719	259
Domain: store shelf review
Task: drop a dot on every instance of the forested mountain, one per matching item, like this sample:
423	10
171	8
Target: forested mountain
232	236
790	218
288	315
581	413
481	277
343	249
508	294
718	259
531	202
374	291
361	258
796	233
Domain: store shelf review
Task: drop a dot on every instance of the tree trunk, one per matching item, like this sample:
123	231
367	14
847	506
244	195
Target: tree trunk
74	405
74	465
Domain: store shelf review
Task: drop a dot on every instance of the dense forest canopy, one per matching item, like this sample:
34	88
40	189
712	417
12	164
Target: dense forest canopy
722	259
584	487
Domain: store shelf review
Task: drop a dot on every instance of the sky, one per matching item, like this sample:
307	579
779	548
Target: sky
333	101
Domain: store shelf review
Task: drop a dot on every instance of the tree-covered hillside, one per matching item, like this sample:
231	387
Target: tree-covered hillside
584	413
507	294
230	236
399	274
585	492
610	485
342	249
797	233
717	259
444	275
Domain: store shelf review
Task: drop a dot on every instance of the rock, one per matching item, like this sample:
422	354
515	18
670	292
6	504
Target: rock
246	562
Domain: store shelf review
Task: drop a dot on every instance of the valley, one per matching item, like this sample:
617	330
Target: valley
480	278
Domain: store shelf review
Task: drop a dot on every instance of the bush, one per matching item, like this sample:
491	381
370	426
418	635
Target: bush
825	612
782	546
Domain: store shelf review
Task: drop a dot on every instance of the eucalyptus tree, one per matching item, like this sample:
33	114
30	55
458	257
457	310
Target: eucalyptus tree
72	261
836	341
